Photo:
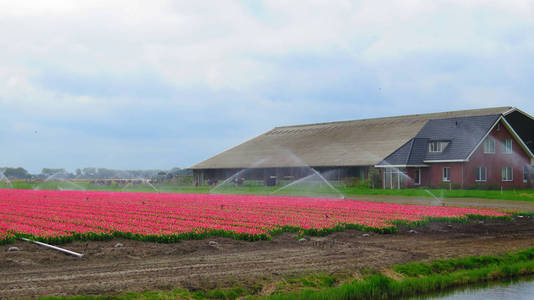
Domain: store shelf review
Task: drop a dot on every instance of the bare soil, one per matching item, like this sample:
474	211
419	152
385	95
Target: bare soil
137	266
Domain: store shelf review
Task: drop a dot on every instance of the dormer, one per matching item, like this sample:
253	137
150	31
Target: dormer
437	146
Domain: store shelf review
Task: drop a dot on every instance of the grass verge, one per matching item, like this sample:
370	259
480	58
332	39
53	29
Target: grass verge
348	191
422	278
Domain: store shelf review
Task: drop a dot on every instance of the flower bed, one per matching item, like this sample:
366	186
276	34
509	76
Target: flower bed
60	216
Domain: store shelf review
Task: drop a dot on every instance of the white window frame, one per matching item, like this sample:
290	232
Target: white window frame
489	146
434	147
437	146
417	179
506	149
525	174
504	174
478	174
446	171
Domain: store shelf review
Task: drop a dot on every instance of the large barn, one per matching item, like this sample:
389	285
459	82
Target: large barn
490	147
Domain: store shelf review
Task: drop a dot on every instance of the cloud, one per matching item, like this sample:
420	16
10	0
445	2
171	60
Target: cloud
165	83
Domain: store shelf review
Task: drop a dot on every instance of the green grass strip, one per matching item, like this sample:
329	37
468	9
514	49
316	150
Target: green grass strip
467	263
346	188
378	286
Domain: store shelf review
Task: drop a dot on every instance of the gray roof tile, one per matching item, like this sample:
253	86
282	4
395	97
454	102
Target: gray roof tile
462	133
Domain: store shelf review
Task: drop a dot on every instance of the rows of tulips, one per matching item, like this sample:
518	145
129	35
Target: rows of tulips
59	216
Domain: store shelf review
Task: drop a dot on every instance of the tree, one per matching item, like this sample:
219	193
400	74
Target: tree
16	173
105	173
50	171
89	172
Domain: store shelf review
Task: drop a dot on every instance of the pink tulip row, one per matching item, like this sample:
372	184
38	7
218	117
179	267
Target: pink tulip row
4	234
60	213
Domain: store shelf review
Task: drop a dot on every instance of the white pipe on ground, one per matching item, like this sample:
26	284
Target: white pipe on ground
54	248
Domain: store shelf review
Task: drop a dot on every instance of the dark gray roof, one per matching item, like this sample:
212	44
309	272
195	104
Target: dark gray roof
463	134
401	156
419	148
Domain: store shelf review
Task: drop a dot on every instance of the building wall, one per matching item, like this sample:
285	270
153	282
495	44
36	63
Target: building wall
425	177
276	175
436	175
494	163
463	174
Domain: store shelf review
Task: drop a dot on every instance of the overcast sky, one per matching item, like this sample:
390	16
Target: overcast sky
162	84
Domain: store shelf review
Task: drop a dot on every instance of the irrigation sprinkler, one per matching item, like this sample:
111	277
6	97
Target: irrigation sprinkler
53	247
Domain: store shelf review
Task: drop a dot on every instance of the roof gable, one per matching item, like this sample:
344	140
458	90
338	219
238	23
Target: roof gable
523	124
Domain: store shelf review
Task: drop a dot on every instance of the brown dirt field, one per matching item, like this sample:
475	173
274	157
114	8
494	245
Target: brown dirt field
35	271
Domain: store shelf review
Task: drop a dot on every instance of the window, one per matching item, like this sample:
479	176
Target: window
434	147
507	174
417	179
525	174
489	145
394	178
437	146
481	174
446	174
507	146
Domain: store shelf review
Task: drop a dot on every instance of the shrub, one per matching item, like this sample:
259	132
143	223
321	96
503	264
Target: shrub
375	180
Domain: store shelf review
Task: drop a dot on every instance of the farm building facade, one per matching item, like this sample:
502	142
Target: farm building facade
491	147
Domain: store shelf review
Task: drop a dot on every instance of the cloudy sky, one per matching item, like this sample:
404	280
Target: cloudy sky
162	84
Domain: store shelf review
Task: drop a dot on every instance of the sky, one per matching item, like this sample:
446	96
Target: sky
162	84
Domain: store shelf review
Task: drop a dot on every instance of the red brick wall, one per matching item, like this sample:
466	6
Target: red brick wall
425	177
463	174
436	174
496	161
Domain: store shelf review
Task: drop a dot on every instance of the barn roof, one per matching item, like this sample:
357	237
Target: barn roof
346	143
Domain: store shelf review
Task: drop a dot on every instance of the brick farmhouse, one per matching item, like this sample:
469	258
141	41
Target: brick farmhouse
483	148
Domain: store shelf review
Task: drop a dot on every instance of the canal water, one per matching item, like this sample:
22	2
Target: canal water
516	290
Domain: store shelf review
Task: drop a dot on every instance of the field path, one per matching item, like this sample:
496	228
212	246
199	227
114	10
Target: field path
460	202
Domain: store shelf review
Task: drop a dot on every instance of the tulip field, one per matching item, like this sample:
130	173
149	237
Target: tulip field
60	216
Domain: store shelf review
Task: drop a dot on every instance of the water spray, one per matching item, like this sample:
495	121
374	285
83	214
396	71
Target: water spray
4	179
231	178
63	183
299	161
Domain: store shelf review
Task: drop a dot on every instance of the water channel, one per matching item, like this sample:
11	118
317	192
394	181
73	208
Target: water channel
517	290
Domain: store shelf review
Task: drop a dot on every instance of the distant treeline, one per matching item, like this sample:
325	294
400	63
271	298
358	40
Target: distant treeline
15	173
92	173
